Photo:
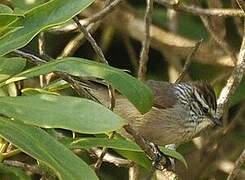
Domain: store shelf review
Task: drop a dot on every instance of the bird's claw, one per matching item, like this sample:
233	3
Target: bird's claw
161	161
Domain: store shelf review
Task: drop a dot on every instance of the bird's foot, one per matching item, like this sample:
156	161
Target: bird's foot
160	161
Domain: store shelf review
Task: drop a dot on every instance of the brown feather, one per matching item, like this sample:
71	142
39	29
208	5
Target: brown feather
164	96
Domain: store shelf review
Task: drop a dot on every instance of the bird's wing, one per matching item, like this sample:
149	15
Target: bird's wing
164	96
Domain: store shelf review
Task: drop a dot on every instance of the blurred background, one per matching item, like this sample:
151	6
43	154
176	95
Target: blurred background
174	33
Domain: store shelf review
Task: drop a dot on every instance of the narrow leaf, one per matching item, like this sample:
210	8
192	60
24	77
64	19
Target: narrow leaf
10	67
50	111
34	91
137	92
119	144
5	9
101	142
174	154
52	13
137	157
41	146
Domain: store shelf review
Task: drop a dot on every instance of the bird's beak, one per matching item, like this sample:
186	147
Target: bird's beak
217	122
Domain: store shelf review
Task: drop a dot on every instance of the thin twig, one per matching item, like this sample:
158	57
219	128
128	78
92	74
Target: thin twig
41	48
188	61
226	166
164	41
103	13
72	46
34	169
233	81
34	59
200	11
103	153
91	40
38	61
98	16
111	90
220	40
99	53
146	43
112	158
92	24
241	4
240	161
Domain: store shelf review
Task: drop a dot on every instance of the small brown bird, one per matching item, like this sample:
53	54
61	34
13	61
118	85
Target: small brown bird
179	113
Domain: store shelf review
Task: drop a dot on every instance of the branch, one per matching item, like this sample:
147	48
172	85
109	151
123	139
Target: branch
234	173
111	90
188	62
112	159
163	41
233	81
146	43
72	46
34	59
103	153
38	61
241	4
219	39
104	12
99	53
91	40
34	169
200	11
97	16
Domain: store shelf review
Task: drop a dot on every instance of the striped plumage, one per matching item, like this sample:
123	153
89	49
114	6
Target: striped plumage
179	113
200	97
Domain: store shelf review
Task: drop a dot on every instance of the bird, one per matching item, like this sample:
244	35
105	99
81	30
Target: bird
180	111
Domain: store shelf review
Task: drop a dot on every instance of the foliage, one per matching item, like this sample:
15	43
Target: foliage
41	120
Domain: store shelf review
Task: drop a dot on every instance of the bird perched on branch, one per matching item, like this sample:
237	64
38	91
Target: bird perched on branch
179	113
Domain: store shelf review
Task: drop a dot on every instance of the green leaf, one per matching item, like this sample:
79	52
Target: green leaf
15	173
50	14
138	157
5	9
50	111
137	92
10	67
119	144
125	148
41	146
24	5
57	85
6	17
101	142
34	91
174	154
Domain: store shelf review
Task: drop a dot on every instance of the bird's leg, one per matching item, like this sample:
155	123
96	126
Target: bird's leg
160	161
